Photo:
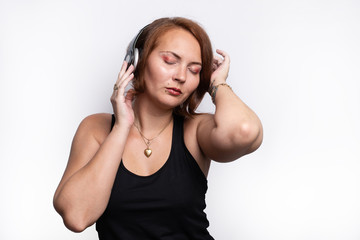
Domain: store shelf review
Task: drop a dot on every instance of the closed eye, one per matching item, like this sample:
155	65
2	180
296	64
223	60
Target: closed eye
169	60
195	69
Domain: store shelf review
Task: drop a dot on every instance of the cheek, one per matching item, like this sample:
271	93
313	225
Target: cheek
157	73
192	86
194	83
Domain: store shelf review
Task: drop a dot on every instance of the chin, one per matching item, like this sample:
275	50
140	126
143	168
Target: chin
172	103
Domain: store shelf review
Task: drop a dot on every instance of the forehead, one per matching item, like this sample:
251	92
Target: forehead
181	42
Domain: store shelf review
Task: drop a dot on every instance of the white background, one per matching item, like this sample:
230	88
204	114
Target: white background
296	63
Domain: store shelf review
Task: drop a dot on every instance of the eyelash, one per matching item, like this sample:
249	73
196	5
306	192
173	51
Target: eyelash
194	72
172	62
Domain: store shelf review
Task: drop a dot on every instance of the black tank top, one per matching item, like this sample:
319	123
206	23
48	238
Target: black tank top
167	205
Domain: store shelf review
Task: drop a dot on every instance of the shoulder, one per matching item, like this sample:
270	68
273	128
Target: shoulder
197	121
96	125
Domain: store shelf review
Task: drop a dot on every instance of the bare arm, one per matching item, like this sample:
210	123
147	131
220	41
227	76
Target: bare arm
85	188
84	191
234	130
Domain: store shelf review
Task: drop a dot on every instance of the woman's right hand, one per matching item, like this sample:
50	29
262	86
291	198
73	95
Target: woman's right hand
121	101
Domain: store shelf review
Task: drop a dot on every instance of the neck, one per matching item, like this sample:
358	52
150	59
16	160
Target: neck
148	117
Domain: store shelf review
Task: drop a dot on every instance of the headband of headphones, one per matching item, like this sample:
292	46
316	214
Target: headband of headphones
132	53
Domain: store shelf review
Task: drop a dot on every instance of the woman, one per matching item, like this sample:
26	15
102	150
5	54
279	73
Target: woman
141	172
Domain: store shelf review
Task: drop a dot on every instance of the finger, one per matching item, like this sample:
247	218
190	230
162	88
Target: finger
126	75
123	84
217	59
130	70
123	68
123	75
223	54
214	67
217	62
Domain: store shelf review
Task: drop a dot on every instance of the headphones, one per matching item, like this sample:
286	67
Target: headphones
133	53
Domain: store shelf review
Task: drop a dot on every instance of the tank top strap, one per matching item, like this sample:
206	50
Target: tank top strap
112	121
178	129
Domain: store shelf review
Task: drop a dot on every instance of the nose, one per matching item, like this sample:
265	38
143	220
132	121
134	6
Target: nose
180	74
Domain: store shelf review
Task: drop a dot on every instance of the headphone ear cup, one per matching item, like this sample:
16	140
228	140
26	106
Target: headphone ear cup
136	57
133	53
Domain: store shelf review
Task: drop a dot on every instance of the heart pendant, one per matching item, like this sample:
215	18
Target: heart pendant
147	152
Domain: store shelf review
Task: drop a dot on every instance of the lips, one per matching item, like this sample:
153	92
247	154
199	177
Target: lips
174	91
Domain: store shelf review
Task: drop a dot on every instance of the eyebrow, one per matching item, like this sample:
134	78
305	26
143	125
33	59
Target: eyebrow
178	57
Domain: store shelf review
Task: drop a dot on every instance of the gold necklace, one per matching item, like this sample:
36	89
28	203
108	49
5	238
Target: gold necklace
148	150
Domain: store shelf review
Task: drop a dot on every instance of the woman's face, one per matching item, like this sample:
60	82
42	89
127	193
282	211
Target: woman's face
173	68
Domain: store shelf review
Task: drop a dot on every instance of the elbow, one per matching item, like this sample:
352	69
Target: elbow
73	222
233	142
248	136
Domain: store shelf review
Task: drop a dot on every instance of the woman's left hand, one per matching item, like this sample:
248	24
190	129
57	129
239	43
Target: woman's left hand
220	67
